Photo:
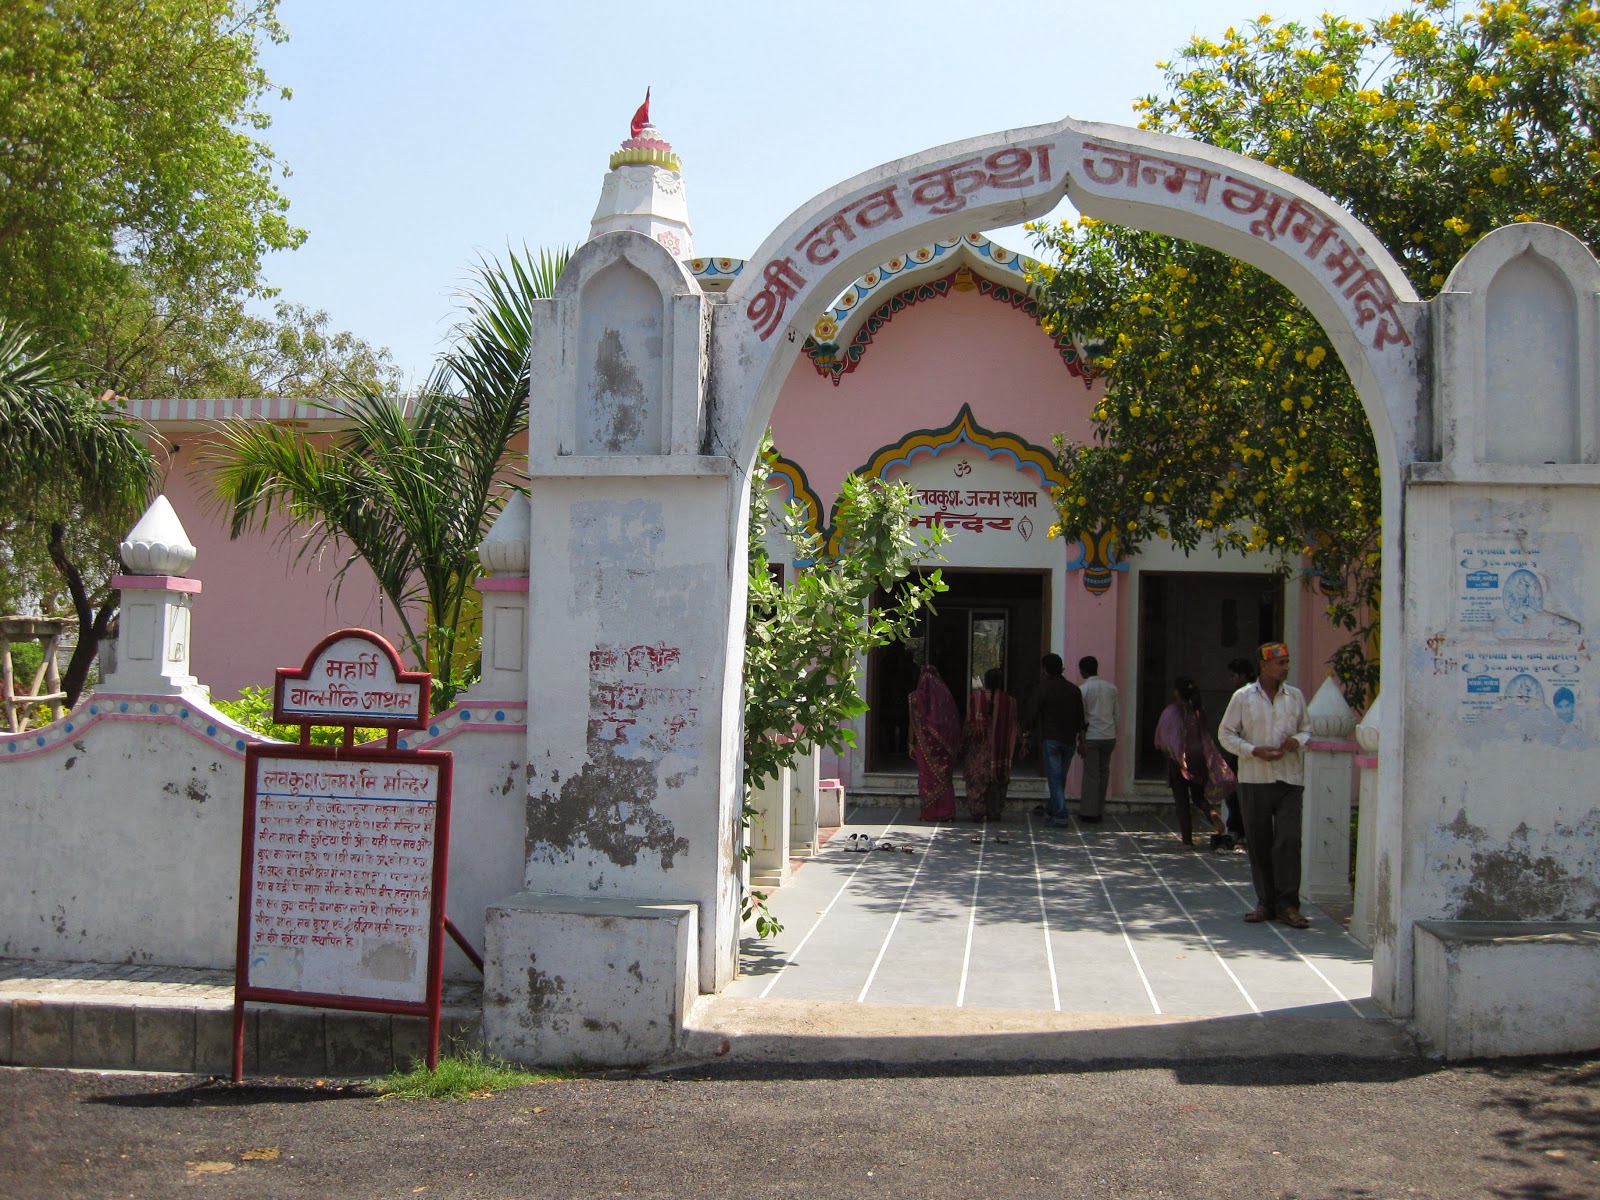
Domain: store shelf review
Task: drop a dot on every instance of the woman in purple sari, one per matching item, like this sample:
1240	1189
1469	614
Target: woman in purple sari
935	744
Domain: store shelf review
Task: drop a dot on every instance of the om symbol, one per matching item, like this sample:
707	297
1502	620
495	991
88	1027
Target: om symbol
963	468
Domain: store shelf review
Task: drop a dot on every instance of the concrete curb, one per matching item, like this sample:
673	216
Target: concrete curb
196	1036
742	1030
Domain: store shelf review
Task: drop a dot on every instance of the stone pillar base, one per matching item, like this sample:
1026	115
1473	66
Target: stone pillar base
569	978
1493	989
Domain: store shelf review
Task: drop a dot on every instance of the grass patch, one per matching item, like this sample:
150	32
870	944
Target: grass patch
468	1075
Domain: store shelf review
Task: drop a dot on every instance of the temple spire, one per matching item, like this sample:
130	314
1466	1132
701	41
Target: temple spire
644	189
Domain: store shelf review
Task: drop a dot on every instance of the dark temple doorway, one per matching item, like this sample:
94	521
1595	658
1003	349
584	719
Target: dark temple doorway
989	618
1192	623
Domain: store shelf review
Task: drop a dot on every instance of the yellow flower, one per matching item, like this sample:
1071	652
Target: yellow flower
1286	404
1436	280
1458	226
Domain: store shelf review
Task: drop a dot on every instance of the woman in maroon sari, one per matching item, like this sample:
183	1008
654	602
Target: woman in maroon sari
991	738
935	742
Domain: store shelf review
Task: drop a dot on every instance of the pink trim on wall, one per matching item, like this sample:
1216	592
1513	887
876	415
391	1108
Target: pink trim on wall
501	583
1333	746
155	583
61	734
1367	762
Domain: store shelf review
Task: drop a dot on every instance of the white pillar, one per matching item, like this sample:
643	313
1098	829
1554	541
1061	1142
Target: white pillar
803	804
153	648
504	553
635	639
1366	826
769	832
1325	829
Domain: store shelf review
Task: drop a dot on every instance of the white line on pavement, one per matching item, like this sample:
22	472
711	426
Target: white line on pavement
1044	919
899	912
843	888
972	920
1155	1005
1215	953
1298	953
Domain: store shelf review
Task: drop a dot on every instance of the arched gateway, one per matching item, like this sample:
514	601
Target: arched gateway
648	400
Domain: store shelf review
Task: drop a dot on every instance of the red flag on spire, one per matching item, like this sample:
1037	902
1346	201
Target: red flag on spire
642	117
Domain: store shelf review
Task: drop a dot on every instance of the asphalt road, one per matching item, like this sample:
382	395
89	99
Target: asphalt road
1306	1128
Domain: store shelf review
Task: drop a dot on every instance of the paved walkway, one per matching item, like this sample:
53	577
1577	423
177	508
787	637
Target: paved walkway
1115	918
1087	942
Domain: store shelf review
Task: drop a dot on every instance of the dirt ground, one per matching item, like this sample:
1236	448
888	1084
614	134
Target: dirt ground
1303	1128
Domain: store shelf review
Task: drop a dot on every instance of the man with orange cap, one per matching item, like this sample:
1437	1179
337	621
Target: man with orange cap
1267	727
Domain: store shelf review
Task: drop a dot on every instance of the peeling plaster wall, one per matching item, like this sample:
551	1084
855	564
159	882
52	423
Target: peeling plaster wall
630	609
121	843
486	832
1502	819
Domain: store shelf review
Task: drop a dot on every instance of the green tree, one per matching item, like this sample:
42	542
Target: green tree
130	152
1227	420
805	635
411	485
142	343
138	201
68	454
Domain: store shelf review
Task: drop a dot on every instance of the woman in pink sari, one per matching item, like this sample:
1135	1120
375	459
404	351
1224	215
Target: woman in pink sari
935	744
991	738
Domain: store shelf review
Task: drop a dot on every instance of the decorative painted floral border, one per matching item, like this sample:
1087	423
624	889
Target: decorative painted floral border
1023	455
836	361
787	483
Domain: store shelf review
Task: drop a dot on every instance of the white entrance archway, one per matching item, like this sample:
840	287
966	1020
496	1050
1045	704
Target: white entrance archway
1151	181
648	403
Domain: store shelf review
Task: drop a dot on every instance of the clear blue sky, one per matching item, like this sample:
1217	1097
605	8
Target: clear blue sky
423	135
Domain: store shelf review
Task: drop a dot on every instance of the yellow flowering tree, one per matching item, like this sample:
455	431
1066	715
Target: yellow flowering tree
1228	421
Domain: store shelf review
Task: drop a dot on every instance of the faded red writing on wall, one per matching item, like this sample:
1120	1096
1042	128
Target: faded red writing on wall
631	705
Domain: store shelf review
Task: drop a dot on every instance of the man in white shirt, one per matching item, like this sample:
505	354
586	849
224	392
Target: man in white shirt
1097	741
1267	727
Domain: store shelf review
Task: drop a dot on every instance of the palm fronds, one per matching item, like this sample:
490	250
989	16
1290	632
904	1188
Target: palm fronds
410	485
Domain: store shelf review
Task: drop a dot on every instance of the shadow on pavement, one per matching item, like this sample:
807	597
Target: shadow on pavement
1265	1071
222	1093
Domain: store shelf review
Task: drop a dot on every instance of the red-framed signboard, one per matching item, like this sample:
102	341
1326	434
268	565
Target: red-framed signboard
342	870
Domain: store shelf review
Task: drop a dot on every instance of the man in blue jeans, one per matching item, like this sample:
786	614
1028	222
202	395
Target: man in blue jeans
1057	707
